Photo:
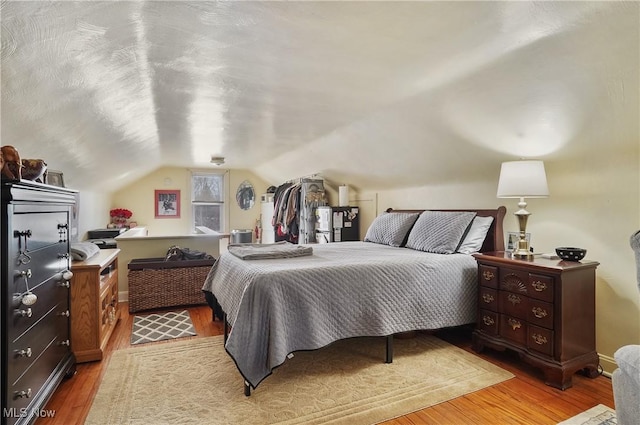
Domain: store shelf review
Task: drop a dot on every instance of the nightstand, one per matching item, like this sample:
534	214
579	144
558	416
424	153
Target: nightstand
542	309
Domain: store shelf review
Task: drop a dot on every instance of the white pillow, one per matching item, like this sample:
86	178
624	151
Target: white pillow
475	236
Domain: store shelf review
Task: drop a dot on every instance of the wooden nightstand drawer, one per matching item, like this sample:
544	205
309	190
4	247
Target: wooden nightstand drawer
540	339
513	280
540	313
513	329
488	322
488	298
541	287
488	276
513	304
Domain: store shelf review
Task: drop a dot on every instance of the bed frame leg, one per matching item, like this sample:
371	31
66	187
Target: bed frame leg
247	389
389	358
226	327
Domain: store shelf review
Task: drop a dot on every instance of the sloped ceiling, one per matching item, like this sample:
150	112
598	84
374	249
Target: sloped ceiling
374	94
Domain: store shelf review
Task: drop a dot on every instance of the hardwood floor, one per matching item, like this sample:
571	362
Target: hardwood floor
524	399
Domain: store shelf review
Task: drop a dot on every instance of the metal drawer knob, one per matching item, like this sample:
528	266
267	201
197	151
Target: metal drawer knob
540	313
24	313
488	320
67	275
539	339
65	343
65	313
488	275
514	299
23	394
25	353
487	298
539	286
515	324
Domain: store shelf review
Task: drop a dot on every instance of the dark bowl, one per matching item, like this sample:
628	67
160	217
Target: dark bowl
569	253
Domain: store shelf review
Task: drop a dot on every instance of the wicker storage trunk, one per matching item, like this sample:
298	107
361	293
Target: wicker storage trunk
155	283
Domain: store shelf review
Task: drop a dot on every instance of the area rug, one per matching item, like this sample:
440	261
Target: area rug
597	415
196	382
161	326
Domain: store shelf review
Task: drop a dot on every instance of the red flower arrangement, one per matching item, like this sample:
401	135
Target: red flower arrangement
121	213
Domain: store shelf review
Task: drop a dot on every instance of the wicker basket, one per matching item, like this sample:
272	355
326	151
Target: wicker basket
155	283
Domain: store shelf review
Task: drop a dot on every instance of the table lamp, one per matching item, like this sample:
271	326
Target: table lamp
522	179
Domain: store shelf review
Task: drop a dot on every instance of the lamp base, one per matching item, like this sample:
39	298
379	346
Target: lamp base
523	254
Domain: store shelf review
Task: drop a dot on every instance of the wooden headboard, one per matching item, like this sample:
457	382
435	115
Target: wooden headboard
495	236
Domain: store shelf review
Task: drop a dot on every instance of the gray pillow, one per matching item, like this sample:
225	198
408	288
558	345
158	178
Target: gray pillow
439	232
390	228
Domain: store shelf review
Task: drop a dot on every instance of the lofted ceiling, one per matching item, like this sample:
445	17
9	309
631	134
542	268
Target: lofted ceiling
374	94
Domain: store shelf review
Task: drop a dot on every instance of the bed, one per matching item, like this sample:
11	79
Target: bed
407	274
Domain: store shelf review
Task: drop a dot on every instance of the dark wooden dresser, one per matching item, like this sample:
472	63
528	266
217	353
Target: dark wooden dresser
35	346
542	309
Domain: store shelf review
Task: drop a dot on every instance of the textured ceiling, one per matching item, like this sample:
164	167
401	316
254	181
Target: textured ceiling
374	94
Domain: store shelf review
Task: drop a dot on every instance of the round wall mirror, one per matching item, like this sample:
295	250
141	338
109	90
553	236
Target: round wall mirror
245	195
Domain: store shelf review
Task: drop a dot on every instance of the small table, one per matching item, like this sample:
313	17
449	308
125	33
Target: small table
542	309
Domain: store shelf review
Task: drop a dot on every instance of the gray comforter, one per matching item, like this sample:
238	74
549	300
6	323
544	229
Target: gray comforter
348	289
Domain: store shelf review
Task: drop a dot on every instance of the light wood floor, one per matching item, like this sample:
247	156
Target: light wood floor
524	399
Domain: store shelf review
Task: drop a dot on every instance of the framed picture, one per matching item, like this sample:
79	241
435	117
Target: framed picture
54	178
167	203
513	238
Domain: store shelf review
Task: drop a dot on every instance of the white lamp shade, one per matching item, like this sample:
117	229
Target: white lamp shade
522	179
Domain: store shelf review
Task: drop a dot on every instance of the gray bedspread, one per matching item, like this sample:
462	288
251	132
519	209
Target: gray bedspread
347	289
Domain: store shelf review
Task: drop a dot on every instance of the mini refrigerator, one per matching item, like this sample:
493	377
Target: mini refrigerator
337	224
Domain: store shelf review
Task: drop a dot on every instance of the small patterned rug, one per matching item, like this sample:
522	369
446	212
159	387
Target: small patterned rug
597	415
161	326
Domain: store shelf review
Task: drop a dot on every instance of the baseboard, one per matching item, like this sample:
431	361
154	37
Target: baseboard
608	365
123	296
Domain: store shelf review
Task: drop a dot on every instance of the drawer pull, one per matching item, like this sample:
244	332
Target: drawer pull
24	313
514	299
539	339
22	394
539	286
539	312
24	353
67	275
515	324
65	313
488	321
65	343
487	298
488	275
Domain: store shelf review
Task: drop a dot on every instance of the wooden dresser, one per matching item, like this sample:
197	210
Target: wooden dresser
35	346
542	309
94	304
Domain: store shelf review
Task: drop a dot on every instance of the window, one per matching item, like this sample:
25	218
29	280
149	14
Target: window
207	199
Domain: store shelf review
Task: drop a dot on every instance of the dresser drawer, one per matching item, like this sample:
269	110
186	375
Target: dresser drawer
513	329
513	304
513	280
540	313
39	372
488	298
46	228
540	340
45	264
488	322
24	317
488	276
24	352
541	287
